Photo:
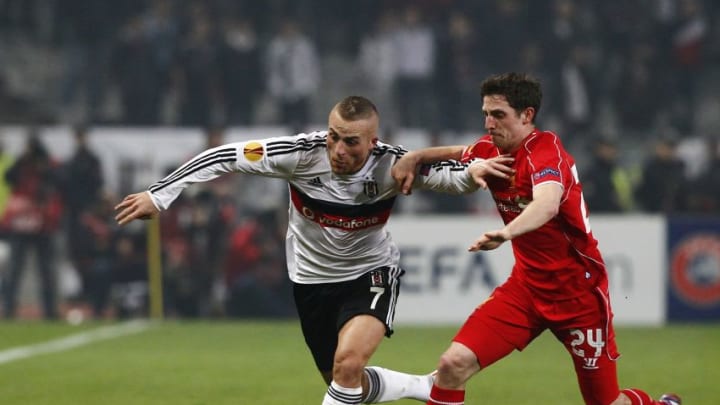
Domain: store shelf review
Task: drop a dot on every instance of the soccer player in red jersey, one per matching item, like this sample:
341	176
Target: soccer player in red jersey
559	281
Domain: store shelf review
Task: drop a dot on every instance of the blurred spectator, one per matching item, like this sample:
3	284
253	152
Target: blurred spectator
607	186
87	29
460	67
94	253
378	67
241	70
689	37
162	29
503	38
637	95
255	271
195	233
534	60
624	24
182	292
19	108
129	290
135	73
195	236
82	183
31	219
198	71
415	55
212	222
663	180
578	94
704	190
19	16
6	161
293	74
570	59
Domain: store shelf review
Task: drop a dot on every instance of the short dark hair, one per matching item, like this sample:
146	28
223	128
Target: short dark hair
356	108
520	90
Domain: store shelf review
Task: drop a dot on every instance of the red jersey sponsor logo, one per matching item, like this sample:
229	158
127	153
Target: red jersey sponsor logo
348	224
332	215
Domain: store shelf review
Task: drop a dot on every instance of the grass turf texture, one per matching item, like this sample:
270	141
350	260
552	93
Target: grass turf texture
197	363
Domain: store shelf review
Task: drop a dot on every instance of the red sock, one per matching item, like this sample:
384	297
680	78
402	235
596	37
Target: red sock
639	397
442	396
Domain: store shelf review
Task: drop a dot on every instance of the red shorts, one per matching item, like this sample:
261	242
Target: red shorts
513	316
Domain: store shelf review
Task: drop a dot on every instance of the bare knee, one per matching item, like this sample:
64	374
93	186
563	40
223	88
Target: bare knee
348	368
456	366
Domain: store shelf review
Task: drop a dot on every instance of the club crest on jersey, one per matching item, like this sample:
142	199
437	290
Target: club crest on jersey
371	188
376	278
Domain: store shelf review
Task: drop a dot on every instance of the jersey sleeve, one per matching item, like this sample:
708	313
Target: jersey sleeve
449	176
258	157
547	161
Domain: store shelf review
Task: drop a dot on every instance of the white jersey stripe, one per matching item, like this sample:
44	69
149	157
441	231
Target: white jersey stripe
395	273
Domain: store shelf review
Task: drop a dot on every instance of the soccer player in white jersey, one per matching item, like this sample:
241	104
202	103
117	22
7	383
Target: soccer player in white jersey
340	257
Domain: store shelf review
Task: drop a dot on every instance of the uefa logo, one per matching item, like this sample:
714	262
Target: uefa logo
695	270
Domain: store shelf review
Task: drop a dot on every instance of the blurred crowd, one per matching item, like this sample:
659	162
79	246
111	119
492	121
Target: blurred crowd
222	251
615	73
607	66
222	245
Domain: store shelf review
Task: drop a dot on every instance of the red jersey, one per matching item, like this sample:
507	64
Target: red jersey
561	258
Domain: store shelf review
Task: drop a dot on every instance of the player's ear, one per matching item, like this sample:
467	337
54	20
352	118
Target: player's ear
527	116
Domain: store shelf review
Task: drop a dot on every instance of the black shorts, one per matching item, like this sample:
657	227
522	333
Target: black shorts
324	308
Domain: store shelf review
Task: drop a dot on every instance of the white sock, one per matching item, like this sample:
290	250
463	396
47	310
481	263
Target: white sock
337	395
388	385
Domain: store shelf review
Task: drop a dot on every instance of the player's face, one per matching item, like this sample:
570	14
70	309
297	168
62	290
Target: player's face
507	127
350	143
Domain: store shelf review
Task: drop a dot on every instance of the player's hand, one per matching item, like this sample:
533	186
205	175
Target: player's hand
404	172
135	206
498	166
490	240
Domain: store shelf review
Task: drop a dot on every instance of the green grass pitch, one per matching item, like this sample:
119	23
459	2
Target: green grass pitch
245	362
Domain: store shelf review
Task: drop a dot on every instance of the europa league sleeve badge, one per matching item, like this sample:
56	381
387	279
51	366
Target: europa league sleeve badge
253	151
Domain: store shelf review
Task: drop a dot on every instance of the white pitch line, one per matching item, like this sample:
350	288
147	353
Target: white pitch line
73	341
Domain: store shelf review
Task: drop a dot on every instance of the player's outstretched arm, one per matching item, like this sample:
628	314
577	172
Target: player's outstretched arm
544	206
135	206
405	168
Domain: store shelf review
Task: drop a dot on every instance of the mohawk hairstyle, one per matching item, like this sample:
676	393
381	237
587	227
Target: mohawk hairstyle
356	108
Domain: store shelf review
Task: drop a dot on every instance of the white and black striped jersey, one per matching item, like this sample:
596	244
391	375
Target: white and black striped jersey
336	230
